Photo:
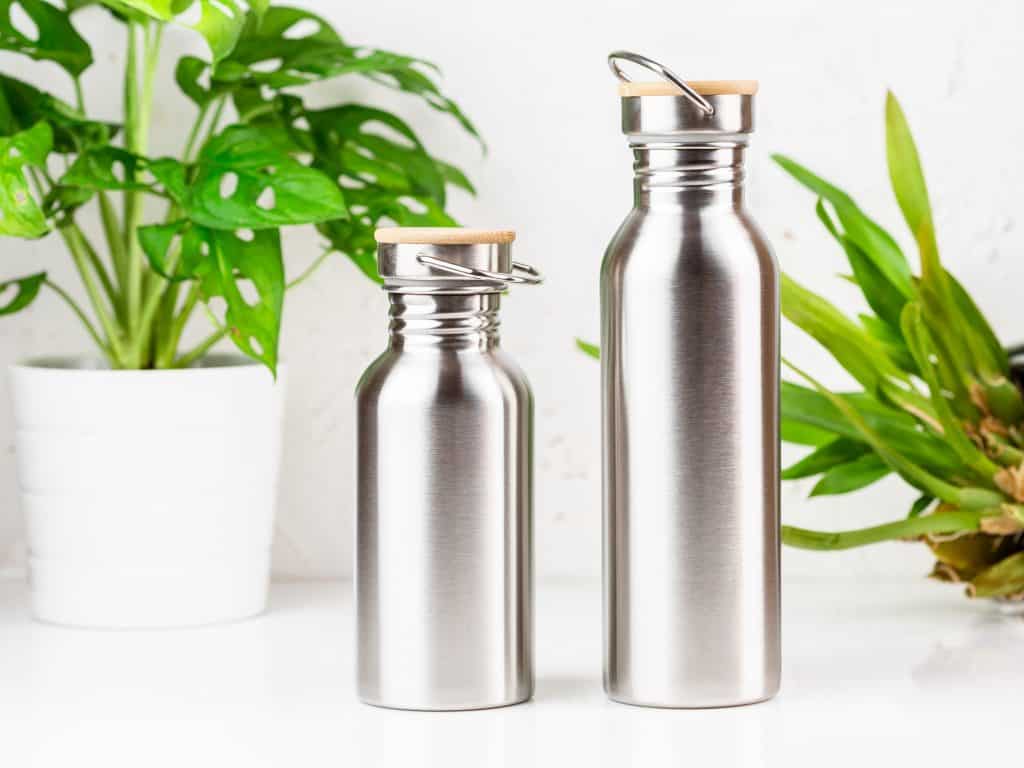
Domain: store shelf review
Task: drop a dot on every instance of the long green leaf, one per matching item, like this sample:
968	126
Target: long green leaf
911	192
852	476
922	347
978	326
967	498
891	340
852	348
800	433
801	405
839	451
885	298
875	242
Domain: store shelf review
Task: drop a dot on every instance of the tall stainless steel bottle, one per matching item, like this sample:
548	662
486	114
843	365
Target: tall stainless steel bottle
444	586
690	358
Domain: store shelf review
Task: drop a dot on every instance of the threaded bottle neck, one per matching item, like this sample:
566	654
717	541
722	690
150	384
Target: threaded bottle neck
675	172
444	321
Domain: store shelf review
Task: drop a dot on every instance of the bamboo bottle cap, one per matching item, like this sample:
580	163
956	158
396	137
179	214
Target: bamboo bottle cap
703	87
443	236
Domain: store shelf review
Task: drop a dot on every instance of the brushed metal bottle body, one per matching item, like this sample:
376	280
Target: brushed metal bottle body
443	545
690	425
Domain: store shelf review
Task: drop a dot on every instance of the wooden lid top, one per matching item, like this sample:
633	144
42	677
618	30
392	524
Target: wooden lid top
444	236
703	87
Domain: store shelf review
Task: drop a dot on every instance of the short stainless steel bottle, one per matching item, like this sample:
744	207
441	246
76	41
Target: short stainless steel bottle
690	359
444	586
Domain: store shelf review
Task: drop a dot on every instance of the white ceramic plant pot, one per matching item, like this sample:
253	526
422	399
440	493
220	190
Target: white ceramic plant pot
148	495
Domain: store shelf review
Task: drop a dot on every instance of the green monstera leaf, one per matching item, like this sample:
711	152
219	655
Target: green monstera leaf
22	215
17	294
244	268
43	32
245	180
23	105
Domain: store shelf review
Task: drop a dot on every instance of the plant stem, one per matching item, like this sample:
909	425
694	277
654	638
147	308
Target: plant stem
81	260
138	109
955	521
190	145
152	303
115	242
79	96
81	315
310	269
190	357
97	264
165	357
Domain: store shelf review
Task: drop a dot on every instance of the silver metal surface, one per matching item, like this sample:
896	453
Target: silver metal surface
521	274
444	523
613	63
690	404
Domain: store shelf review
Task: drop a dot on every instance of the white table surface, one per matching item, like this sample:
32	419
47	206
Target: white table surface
877	674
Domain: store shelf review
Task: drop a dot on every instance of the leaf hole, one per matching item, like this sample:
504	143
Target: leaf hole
24	24
204	249
117	170
218	307
386	78
228	184
301	123
8	293
413	204
267	65
224	8
358	210
14	153
247	289
267	199
20	197
366	152
349	182
302	29
192	16
254	343
245	235
369	178
306	158
270	170
389	133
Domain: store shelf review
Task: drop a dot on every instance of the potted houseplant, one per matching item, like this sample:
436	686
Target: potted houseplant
940	405
148	469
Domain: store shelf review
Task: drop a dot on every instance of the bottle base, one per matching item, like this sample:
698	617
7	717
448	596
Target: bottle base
469	707
711	704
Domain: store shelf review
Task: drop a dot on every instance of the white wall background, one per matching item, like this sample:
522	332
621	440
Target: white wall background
532	75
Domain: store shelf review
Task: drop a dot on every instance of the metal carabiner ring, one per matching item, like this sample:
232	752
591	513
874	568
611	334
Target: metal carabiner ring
703	104
532	276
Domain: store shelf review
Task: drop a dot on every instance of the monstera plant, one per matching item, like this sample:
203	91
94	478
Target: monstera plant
255	159
149	478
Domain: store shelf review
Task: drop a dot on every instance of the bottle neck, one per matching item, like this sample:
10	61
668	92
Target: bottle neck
686	173
444	321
